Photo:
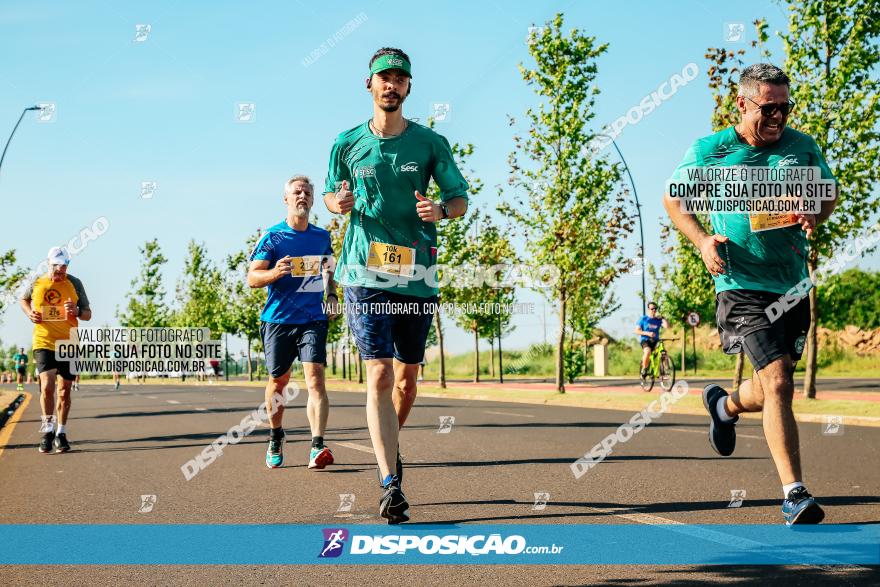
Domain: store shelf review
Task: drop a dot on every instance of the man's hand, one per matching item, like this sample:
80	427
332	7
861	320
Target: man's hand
282	267
344	199
34	316
427	210
334	309
709	252
70	309
808	223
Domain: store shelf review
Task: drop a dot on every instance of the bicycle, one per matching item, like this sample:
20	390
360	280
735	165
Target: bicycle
660	367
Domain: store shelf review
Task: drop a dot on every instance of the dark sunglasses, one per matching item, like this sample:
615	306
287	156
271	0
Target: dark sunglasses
652	307
768	110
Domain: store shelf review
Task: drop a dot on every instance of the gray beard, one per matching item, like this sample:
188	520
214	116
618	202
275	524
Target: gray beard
301	213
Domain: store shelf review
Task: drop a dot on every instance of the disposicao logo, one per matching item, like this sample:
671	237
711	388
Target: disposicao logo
334	541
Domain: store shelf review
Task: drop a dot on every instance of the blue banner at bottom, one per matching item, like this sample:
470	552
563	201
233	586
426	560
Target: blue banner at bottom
567	544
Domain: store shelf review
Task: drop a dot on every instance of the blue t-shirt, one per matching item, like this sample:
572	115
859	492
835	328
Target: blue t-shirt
295	299
650	325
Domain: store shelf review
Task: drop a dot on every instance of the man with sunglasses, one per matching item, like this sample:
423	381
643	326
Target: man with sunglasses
754	261
648	330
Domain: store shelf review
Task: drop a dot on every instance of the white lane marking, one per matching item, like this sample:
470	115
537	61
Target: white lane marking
638	518
366	449
151	397
738	435
508	414
172	401
201	409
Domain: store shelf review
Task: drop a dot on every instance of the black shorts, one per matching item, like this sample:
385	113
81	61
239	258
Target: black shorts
22	370
651	344
745	324
284	343
45	360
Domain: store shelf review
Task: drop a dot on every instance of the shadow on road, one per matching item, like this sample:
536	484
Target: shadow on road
622	508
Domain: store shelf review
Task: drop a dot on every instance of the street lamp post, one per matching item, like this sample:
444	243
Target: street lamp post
638	213
15	128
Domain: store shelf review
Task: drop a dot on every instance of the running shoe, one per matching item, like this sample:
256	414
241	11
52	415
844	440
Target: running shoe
19	387
275	453
722	435
116	386
393	505
46	442
800	508
61	444
76	386
320	457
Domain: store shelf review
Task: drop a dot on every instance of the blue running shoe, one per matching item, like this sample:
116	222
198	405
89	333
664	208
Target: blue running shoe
320	457
275	453
722	435
801	508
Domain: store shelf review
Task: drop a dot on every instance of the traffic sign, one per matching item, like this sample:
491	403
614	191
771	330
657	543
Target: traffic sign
693	319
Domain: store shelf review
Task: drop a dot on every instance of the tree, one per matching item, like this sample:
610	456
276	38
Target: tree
146	307
10	278
488	247
200	294
832	54
573	214
243	303
848	298
452	239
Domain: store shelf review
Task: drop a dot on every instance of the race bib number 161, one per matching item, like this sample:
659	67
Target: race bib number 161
391	259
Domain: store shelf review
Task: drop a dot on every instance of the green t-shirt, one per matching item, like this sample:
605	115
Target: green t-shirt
20	359
383	174
770	260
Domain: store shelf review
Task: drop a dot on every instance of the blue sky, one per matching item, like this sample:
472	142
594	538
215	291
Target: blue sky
164	109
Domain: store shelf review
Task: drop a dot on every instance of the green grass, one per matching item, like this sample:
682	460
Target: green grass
691	404
623	361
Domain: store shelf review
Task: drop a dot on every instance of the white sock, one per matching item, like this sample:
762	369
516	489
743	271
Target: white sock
786	489
61	429
722	413
48	424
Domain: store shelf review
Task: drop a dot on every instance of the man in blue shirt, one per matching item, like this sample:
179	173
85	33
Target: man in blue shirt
294	260
648	330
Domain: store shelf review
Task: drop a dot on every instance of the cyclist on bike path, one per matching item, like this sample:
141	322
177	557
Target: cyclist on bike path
649	330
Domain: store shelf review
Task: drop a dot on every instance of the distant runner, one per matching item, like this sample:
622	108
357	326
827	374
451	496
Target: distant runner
21	363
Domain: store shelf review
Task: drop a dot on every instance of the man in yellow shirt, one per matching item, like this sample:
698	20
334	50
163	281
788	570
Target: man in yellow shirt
55	303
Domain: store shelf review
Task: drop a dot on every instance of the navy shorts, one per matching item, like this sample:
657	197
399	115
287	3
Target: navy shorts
387	324
284	343
744	325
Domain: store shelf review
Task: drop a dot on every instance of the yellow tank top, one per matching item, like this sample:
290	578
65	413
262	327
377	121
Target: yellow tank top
48	298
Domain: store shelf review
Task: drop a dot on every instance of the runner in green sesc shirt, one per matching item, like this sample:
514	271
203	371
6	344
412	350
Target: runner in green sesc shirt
378	173
754	259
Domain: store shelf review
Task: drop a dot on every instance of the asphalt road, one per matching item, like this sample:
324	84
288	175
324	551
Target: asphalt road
485	470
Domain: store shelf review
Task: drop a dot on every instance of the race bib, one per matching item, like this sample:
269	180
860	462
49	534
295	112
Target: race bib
307	266
53	313
391	259
759	222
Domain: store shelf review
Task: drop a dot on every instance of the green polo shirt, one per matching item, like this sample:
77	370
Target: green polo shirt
383	174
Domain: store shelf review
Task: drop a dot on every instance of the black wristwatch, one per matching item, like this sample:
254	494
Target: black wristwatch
445	211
